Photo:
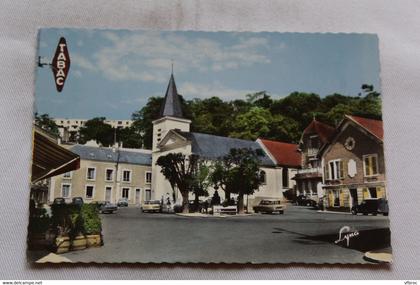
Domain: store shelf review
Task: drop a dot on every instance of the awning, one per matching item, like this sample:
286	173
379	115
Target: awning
50	159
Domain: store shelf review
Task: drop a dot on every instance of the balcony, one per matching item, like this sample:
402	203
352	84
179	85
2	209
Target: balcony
309	172
312	151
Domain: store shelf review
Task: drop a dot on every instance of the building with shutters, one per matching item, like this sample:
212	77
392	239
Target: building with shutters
106	174
309	176
353	163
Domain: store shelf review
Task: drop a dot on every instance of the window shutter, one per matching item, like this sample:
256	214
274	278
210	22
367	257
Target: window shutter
342	169
374	165
327	174
367	168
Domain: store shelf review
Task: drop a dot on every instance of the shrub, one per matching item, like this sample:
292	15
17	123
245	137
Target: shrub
91	219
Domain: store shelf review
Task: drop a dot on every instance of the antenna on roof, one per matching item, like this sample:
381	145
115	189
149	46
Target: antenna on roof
172	66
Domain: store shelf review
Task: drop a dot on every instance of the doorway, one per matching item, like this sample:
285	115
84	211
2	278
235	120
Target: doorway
373	193
354	198
108	192
138	196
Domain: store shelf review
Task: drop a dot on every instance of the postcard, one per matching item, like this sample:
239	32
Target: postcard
207	147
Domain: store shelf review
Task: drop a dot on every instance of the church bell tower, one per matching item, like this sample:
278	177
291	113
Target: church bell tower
171	116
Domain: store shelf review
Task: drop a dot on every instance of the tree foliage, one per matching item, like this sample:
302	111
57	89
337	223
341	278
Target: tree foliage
46	123
181	171
261	115
238	172
96	129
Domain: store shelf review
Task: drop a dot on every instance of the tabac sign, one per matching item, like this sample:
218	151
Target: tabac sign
61	64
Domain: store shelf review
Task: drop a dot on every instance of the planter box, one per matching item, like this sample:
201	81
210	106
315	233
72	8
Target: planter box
62	244
79	243
94	240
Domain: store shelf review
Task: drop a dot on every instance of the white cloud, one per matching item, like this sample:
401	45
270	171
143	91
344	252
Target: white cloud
147	56
192	90
82	62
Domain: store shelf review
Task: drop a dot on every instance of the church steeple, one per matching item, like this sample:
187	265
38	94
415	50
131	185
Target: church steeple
172	103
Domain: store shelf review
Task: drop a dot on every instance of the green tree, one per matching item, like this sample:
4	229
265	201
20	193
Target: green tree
46	123
96	129
130	137
298	106
252	124
239	173
201	182
180	170
142	120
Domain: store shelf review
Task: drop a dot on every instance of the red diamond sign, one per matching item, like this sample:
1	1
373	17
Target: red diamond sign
61	64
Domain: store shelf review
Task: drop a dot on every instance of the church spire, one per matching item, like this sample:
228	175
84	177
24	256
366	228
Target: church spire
172	103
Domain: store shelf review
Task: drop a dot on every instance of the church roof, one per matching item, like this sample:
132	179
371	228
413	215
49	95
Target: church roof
107	154
286	154
172	103
213	147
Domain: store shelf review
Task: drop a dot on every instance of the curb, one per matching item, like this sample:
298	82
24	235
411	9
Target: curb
332	212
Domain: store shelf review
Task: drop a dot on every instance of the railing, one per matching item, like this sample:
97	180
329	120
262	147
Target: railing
313	170
312	151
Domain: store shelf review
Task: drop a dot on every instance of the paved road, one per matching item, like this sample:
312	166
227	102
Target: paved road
131	236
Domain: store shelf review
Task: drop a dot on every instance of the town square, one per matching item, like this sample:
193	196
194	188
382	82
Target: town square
218	176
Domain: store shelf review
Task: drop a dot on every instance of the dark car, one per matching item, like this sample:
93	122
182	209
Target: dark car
77	201
123	202
372	206
303	200
59	201
107	207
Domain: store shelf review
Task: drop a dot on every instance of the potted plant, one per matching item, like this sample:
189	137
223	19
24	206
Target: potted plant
92	225
61	225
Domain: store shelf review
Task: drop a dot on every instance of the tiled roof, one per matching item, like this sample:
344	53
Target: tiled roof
286	154
107	154
172	103
213	147
375	127
324	131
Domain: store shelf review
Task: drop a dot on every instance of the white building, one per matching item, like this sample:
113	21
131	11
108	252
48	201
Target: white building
69	128
171	133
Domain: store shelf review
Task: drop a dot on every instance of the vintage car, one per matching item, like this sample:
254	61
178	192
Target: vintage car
107	207
303	200
269	206
122	202
151	206
372	206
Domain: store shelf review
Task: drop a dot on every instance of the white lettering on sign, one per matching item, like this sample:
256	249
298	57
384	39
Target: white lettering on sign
61	64
345	235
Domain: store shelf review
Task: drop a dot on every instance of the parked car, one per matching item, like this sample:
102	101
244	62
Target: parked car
123	202
151	206
303	200
108	207
77	201
269	206
59	201
372	206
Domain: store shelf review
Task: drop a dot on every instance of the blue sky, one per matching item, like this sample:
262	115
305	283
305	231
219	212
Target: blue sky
114	72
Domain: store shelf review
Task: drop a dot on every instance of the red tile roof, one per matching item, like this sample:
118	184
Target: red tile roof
286	154
375	127
324	131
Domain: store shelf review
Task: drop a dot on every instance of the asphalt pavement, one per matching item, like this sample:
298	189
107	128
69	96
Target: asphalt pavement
300	235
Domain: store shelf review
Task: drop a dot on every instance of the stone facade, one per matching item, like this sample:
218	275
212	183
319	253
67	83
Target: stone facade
354	167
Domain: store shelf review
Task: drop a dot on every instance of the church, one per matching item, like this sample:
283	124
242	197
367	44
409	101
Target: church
171	134
115	173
